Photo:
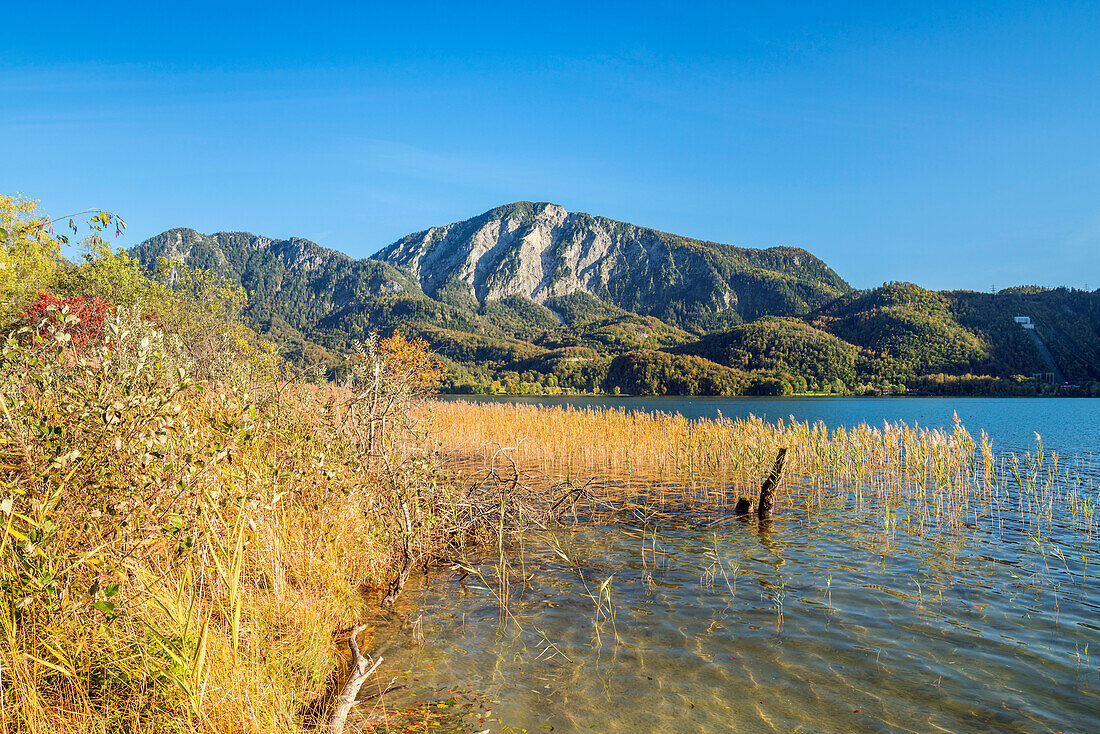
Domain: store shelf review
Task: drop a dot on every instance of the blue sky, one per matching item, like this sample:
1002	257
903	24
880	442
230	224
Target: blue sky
954	145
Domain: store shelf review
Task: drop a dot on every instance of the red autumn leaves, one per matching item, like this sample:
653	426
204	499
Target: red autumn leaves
91	313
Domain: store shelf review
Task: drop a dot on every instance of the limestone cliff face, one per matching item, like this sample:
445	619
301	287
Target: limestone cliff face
541	251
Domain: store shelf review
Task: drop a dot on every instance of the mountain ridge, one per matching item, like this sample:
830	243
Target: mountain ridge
654	312
541	251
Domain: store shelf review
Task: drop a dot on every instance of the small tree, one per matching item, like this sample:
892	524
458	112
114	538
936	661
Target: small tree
388	376
30	249
114	276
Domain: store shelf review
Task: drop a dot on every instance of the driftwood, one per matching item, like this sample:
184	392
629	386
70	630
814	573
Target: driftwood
359	674
766	504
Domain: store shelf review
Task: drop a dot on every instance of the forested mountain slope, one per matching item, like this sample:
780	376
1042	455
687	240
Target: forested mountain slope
529	297
900	332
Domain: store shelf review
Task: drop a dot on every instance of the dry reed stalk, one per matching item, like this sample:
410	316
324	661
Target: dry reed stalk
917	473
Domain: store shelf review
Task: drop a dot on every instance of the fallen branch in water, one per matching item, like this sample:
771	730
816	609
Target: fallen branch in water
359	674
571	493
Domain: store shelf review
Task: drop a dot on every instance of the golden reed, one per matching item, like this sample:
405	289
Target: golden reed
904	475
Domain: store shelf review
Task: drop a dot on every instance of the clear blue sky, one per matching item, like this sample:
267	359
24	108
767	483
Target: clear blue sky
953	145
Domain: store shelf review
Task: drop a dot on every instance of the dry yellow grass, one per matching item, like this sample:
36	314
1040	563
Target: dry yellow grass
185	558
904	475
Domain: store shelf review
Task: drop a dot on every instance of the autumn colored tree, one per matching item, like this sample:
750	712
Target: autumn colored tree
387	376
29	252
409	363
30	248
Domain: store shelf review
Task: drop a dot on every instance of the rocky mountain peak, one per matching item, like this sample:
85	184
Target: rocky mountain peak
541	251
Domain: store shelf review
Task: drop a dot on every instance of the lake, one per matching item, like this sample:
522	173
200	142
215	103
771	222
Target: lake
824	619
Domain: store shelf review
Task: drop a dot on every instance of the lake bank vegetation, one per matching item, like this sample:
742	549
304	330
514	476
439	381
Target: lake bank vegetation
191	525
188	529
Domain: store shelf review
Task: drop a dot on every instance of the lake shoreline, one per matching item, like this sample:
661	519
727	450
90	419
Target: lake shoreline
833	396
887	604
1069	426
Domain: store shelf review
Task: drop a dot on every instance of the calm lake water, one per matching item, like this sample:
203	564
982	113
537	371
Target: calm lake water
821	620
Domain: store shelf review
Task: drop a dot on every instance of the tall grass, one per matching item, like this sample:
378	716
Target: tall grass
183	556
902	476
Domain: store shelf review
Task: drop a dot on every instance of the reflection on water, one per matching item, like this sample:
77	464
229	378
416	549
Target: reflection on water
818	620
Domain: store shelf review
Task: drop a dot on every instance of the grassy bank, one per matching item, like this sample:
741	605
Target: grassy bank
188	528
186	555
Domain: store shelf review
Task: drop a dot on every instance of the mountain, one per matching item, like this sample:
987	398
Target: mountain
901	333
614	286
781	345
542	252
531	298
914	328
295	278
295	287
910	331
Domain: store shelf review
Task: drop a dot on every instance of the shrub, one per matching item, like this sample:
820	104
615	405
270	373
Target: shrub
85	331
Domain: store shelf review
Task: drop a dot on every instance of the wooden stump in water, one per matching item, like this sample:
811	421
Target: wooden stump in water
766	503
767	490
744	506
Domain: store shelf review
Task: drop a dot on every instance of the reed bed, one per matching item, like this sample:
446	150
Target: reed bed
901	476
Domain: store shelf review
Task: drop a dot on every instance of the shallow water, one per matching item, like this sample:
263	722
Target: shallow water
837	615
815	621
